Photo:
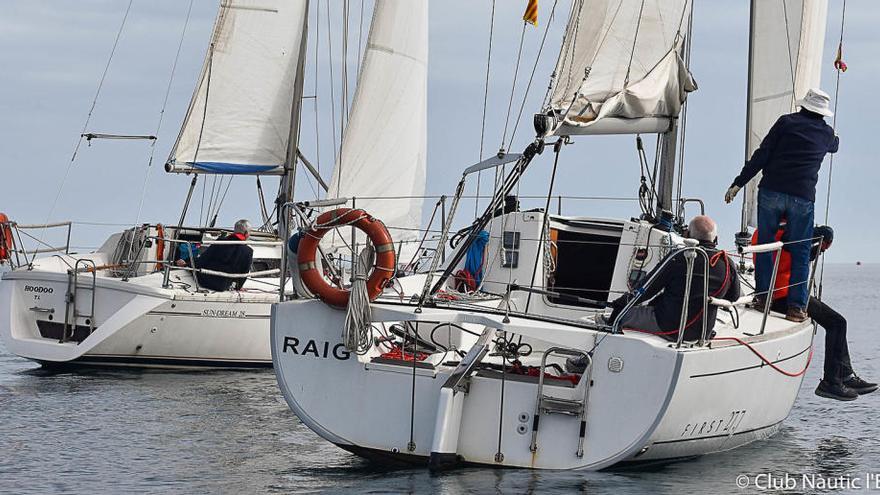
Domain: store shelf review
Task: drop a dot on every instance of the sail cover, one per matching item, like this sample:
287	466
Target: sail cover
383	154
636	80
786	60
239	119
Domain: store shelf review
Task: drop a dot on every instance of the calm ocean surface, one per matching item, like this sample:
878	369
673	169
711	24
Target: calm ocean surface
231	432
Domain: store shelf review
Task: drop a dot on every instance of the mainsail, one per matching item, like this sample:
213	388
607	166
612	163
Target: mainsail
384	146
240	117
620	68
785	60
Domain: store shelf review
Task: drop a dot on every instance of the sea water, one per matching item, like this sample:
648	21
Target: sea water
116	431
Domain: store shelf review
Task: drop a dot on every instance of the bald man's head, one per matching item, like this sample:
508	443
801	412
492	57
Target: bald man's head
703	228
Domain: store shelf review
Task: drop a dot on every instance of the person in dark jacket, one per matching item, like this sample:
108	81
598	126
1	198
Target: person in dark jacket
789	157
228	258
839	381
665	295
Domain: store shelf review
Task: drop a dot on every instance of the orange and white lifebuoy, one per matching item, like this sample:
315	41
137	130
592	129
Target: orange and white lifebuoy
160	246
5	239
383	269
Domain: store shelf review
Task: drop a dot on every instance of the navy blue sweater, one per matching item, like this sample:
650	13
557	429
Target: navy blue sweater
791	154
229	258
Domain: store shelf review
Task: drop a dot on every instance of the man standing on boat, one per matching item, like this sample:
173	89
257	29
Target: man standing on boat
790	157
227	258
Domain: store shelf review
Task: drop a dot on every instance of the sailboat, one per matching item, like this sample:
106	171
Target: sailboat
453	376
128	303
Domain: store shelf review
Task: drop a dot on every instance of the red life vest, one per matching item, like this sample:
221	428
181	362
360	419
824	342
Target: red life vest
783	275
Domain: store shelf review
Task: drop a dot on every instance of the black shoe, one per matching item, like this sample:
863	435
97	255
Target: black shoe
860	386
836	391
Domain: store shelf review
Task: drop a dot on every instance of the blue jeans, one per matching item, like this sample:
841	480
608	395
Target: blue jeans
798	212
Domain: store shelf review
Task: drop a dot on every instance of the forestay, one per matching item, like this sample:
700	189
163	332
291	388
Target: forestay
239	119
385	140
786	60
620	68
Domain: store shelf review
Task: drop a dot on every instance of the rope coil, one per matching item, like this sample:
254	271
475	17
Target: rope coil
357	331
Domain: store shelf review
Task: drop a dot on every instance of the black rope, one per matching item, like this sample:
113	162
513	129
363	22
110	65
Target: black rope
557	147
499	456
411	446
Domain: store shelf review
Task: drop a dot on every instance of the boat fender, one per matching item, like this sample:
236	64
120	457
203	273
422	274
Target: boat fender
5	238
383	268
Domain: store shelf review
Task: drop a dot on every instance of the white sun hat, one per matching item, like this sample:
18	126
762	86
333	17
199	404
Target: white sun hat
816	101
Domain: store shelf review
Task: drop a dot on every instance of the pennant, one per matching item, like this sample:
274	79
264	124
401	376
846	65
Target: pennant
531	14
839	64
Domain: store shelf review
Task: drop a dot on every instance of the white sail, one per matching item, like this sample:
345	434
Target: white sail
239	119
620	69
787	37
384	146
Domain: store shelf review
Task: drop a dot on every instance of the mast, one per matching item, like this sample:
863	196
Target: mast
288	179
786	42
667	168
744	223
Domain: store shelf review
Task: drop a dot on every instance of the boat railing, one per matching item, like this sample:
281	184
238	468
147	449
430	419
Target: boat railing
23	255
690	252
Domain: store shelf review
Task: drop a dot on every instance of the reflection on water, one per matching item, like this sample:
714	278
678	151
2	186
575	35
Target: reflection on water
183	432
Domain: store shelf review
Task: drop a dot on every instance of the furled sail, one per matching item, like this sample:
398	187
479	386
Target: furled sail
620	68
383	152
785	61
239	119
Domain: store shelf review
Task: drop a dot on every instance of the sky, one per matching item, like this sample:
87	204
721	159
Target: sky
53	52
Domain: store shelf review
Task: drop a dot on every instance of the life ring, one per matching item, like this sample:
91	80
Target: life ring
5	239
383	269
160	246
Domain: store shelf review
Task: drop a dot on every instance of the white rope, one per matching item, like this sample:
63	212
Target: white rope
206	271
358	316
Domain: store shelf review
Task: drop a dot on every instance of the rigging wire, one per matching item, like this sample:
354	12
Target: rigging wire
534	69
485	105
205	115
219	203
833	126
317	120
346	16
632	52
522	37
332	89
162	112
89	116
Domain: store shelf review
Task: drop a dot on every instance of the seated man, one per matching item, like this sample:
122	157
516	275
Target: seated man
228	258
662	314
838	381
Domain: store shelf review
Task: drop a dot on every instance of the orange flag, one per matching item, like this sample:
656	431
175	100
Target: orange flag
531	14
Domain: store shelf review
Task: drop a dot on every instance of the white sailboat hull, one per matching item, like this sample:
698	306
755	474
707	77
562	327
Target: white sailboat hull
134	324
664	404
